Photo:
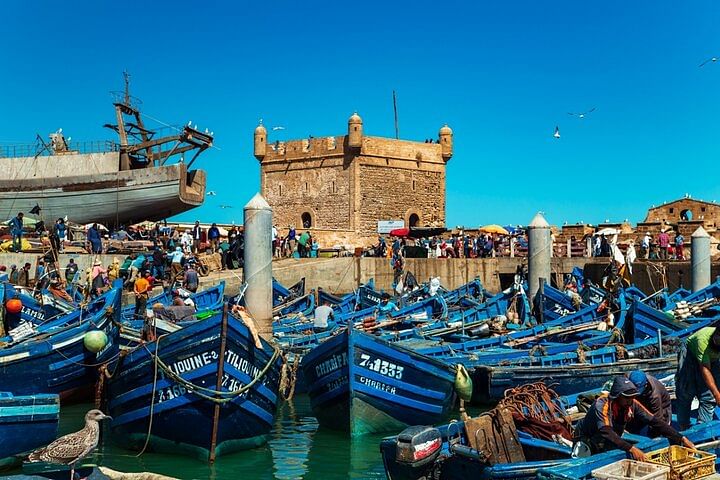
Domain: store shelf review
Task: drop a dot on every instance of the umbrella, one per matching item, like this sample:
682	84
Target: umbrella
494	229
607	231
417	232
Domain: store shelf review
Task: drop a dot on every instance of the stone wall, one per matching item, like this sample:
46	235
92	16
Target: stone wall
671	212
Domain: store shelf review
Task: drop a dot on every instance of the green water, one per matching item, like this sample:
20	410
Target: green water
297	449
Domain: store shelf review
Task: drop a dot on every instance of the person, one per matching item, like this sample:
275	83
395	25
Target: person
142	292
191	279
59	233
605	421
304	245
398	264
97	278
275	241
646	243
70	270
16	230
386	305
697	374
93	236
664	242
158	263
652	395
196	237
381	247
40	277
113	271
57	289
292	240
214	237
136	266
24	276
186	241
176	259
322	314
679	246
14	274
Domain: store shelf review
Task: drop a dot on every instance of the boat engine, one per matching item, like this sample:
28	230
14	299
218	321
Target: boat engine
418	446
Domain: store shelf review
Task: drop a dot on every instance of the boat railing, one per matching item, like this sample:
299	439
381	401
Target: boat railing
38	149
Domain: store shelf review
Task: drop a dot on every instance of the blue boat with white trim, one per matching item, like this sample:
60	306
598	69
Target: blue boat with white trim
26	423
362	384
207	389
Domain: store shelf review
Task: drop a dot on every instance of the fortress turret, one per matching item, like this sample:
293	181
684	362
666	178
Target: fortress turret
260	141
355	131
446	141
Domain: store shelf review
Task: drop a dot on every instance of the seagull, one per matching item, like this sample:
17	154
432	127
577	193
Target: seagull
73	447
278	128
581	114
225	206
557	132
189	123
713	59
211	193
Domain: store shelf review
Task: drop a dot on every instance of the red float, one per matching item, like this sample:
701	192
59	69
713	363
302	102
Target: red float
14	305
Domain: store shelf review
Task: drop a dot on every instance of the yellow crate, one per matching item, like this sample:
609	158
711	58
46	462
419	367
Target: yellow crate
684	463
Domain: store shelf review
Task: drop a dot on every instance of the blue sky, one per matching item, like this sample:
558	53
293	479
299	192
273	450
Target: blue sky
502	74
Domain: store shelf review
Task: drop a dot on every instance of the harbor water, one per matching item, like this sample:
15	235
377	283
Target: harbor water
297	449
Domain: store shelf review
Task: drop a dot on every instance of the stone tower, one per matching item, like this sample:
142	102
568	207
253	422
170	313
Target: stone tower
340	187
355	131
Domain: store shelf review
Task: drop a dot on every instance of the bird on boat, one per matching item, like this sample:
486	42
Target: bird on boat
211	193
581	114
73	447
557	132
712	59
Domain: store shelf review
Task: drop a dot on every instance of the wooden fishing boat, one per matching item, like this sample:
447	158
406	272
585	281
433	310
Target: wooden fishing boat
26	423
209	299
362	384
207	389
55	357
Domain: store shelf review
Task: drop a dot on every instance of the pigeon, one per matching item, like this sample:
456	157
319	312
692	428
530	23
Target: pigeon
73	447
713	59
581	114
557	132
211	193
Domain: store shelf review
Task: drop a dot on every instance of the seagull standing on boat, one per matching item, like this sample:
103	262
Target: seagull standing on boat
73	447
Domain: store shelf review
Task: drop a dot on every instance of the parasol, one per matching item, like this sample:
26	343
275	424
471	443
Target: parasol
494	229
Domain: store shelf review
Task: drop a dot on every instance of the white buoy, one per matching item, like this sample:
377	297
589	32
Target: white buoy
539	253
700	256
257	271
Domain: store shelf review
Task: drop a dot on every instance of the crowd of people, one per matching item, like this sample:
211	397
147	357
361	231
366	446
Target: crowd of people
293	244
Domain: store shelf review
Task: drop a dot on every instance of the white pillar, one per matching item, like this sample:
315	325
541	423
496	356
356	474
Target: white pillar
257	271
539	253
700	257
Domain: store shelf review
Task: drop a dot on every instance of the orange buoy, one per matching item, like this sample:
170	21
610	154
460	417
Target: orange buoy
14	305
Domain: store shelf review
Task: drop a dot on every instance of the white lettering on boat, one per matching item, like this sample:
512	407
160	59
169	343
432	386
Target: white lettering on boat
383	367
337	383
36	314
377	385
193	363
335	362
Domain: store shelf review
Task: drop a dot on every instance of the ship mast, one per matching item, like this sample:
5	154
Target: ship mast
138	146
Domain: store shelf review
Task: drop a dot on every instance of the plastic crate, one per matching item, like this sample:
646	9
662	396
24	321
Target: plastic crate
631	470
684	463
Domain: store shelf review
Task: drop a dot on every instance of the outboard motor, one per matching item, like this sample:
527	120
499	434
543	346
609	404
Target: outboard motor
418	446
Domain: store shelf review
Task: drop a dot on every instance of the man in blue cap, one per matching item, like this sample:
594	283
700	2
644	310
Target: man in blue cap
654	397
697	375
605	422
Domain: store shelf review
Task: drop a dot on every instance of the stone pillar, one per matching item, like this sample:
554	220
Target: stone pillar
257	272
539	253
700	257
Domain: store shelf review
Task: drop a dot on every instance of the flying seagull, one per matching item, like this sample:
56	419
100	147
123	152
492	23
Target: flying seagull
278	128
225	206
211	193
581	114
712	59
557	132
73	447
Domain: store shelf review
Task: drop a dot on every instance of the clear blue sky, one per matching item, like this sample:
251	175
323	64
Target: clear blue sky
502	74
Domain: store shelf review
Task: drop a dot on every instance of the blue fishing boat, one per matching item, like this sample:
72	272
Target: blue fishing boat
207	389
63	356
362	384
26	423
208	299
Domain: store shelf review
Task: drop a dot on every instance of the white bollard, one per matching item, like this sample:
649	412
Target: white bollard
257	271
700	259
539	253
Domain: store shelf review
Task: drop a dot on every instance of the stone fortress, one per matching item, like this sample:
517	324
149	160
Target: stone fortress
340	187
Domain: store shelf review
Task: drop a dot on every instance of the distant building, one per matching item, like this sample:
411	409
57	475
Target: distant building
685	215
341	187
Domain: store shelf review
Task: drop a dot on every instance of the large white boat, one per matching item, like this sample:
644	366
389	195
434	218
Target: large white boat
114	183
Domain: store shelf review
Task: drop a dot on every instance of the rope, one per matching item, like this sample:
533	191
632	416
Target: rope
152	401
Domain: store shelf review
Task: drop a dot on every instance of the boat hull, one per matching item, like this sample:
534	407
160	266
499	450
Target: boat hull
182	421
362	384
112	198
26	423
